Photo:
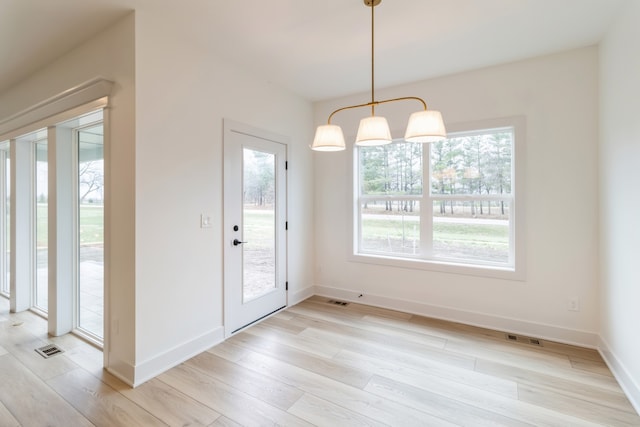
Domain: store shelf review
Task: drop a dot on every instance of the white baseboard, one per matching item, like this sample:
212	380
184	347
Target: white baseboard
153	367
629	384
499	323
144	371
122	370
299	296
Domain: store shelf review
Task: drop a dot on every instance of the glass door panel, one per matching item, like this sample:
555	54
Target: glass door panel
255	190
259	247
41	281
91	230
5	220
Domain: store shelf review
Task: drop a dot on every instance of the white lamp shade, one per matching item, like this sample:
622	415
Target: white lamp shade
328	138
373	131
425	126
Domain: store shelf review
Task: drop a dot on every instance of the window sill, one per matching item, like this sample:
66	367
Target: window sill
497	272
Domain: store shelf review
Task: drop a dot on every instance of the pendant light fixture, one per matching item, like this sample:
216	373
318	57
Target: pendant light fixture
424	125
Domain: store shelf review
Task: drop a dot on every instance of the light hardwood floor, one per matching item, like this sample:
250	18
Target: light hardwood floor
317	364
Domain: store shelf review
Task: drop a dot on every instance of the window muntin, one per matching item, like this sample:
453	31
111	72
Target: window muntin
469	180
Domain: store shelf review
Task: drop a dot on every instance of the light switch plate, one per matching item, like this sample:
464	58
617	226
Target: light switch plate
205	221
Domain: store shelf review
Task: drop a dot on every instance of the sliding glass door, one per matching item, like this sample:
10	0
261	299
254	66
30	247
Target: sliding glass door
5	220
41	216
90	230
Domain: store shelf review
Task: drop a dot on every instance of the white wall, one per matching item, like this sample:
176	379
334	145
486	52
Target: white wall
558	97
110	54
620	199
171	95
183	92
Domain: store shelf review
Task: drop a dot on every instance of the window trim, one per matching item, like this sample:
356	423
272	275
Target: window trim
517	230
44	139
87	96
5	226
82	332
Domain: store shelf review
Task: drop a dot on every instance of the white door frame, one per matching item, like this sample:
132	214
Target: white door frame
231	131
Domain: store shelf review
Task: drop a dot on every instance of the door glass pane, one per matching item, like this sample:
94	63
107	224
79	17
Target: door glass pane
259	249
41	216
91	230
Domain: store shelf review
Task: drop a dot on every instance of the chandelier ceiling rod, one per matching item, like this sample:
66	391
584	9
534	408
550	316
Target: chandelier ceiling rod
373	5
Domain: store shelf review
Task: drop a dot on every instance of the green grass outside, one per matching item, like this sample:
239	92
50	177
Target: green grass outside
259	225
490	234
496	236
384	228
258	228
91	224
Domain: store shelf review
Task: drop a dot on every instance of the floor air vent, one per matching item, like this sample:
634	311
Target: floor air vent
49	350
524	340
335	302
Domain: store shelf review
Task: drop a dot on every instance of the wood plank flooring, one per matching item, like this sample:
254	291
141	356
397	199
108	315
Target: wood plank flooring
317	364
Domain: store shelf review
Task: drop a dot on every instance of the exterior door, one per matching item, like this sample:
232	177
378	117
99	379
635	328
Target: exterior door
255	191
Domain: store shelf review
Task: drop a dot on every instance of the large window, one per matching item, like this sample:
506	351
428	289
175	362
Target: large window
53	233
60	225
450	203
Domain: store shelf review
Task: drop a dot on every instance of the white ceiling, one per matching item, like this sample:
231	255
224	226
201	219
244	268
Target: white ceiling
319	49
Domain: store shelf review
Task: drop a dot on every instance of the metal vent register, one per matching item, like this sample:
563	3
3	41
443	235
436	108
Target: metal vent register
49	350
334	302
524	340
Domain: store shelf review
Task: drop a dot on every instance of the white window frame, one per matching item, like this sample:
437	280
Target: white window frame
513	271
38	139
85	97
5	289
77	328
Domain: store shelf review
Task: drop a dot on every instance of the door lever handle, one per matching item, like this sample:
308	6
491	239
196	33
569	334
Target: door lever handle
237	242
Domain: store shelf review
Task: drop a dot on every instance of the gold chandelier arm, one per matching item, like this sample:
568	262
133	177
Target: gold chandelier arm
350	107
373	103
404	98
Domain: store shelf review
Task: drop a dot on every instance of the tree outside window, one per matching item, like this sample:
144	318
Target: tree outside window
449	201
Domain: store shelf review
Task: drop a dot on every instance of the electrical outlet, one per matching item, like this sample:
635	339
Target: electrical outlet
573	304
